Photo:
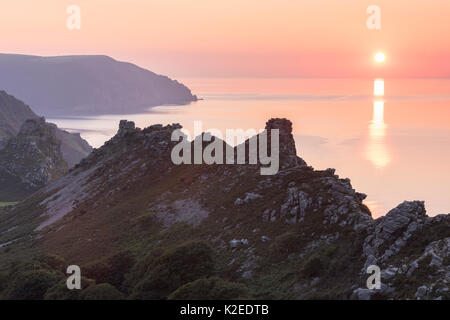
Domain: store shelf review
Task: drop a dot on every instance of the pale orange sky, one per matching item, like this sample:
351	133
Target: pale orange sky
271	38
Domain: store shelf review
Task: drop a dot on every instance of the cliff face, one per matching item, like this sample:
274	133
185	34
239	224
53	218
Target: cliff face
299	234
73	147
30	160
81	85
13	114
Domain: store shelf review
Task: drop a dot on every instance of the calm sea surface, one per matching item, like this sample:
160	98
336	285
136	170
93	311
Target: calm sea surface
393	145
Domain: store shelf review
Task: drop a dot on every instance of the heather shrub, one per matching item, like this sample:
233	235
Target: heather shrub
210	289
177	266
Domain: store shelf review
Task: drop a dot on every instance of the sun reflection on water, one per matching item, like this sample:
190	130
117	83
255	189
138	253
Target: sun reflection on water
377	151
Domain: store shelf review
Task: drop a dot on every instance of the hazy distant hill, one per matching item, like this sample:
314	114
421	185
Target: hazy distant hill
13	114
74	85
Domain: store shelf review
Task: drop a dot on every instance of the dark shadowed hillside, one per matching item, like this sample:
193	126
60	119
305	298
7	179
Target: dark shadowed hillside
143	228
74	85
33	153
14	113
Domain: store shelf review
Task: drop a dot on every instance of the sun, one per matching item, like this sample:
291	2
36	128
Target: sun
380	57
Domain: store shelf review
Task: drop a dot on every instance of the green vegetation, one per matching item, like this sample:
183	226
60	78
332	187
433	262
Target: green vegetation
420	239
112	269
31	285
283	245
175	267
135	239
446	261
6	204
53	262
60	292
42	278
210	289
103	291
313	266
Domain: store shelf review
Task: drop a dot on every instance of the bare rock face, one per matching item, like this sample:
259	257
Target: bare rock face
125	127
13	118
13	114
391	232
399	218
296	205
299	221
39	154
332	198
435	258
288	151
35	127
31	160
395	240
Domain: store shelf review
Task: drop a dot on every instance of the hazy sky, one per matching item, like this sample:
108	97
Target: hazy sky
319	38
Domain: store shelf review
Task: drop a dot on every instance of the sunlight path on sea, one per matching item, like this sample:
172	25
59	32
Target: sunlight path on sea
377	150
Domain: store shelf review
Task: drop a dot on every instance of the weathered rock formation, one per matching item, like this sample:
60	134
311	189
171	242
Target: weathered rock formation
30	160
298	234
14	113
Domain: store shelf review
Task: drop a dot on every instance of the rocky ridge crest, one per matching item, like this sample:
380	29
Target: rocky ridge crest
309	225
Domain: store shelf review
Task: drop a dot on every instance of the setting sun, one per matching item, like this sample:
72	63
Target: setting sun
380	57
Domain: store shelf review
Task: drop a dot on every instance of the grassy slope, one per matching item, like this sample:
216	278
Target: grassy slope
6	204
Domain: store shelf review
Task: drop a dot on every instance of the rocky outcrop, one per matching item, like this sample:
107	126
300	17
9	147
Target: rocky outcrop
287	150
126	127
333	198
424	278
14	113
436	257
298	234
37	128
392	243
30	160
118	166
388	234
249	196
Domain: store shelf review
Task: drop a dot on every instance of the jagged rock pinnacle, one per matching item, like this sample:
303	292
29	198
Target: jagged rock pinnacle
35	127
283	124
288	151
125	127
